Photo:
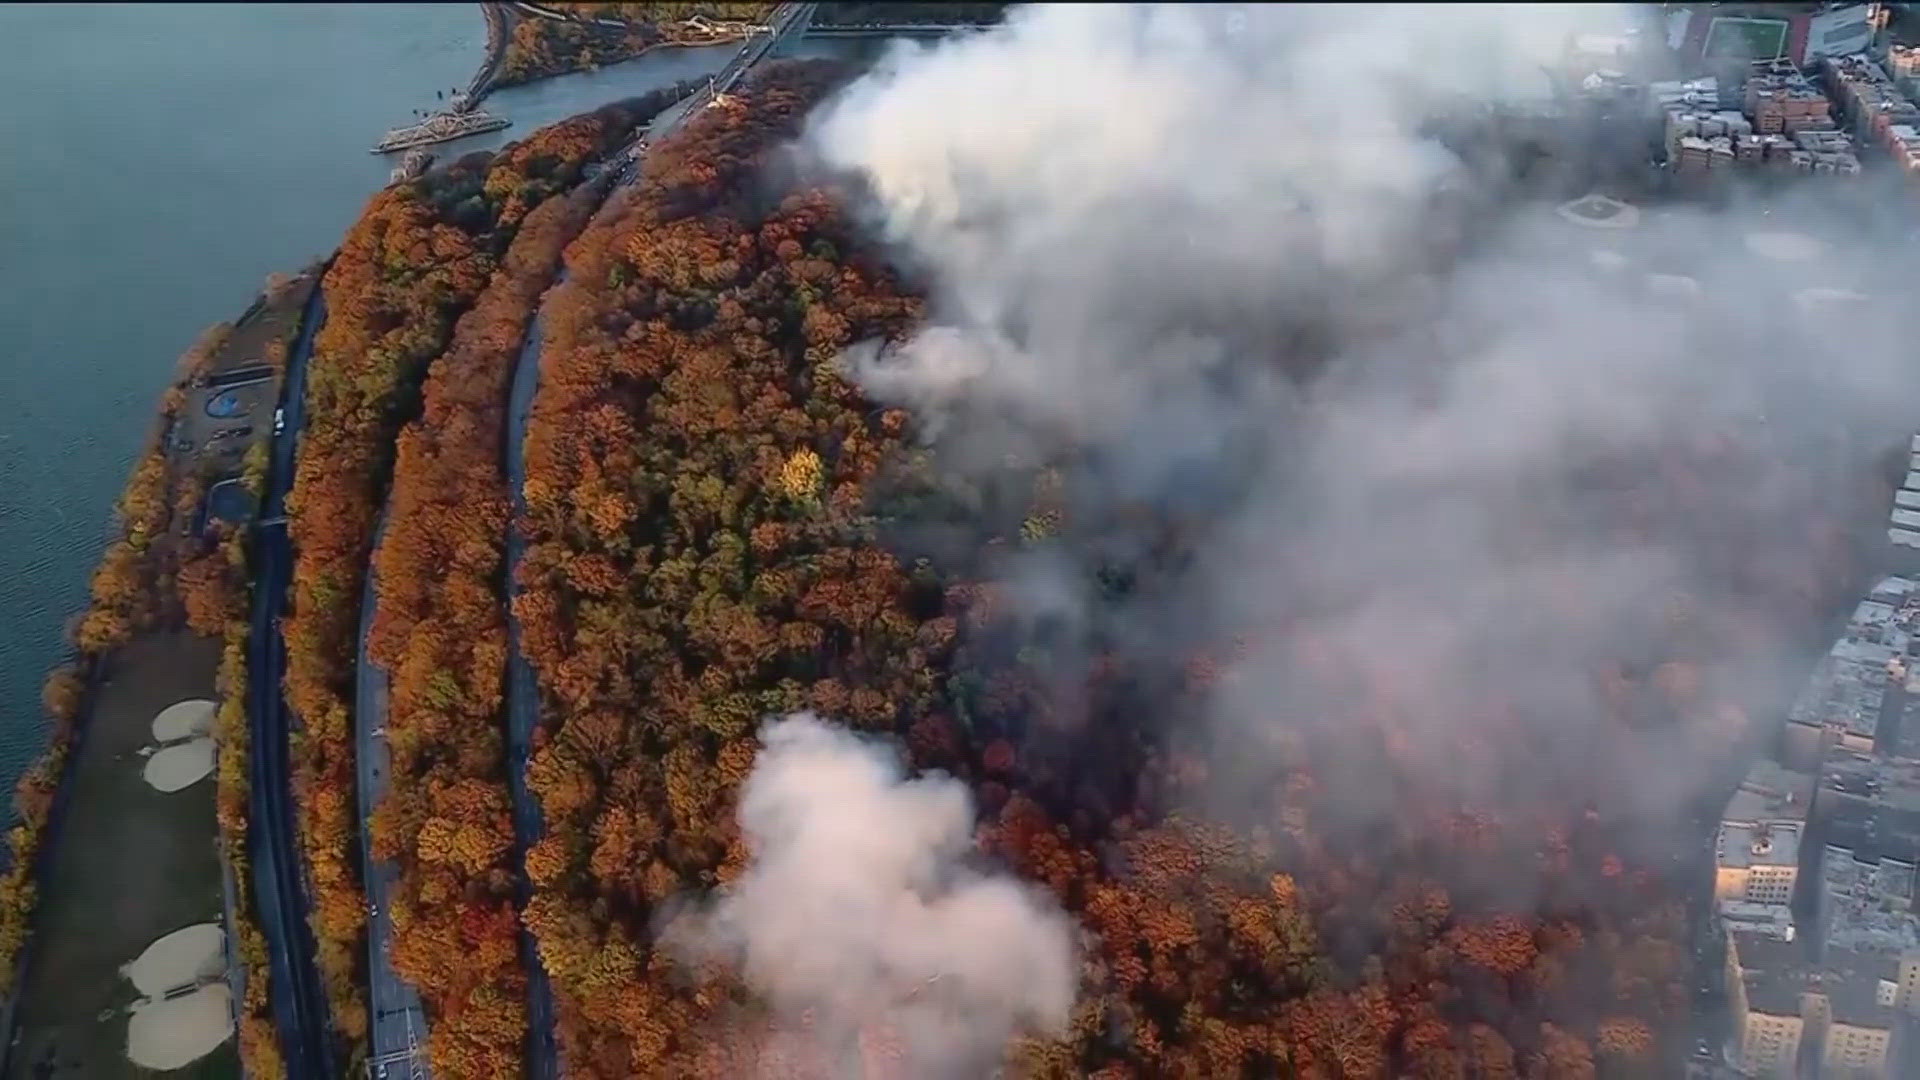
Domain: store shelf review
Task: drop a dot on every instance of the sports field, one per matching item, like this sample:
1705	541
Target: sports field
1754	39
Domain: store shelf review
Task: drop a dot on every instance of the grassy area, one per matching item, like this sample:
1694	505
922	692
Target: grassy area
132	864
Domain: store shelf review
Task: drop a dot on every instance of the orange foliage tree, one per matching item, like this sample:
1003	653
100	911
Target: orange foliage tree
699	555
439	628
419	256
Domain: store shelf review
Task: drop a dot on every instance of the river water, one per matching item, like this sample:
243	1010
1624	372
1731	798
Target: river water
156	163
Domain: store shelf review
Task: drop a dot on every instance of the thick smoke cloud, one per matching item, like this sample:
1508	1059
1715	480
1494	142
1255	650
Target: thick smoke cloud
1222	254
860	909
1218	260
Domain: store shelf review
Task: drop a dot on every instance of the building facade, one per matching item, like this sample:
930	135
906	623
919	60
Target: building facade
1766	1003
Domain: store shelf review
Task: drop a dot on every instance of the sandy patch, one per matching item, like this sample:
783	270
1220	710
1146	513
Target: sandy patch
173	1034
178	959
1784	246
183	720
181	764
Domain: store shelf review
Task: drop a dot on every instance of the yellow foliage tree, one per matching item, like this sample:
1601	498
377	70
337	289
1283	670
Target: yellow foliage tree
800	476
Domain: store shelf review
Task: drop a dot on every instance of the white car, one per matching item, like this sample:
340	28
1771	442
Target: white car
279	421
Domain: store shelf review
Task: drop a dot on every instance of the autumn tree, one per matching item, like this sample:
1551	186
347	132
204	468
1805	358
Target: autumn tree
421	255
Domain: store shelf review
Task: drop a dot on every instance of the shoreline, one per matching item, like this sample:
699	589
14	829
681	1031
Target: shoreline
500	26
104	666
500	23
499	29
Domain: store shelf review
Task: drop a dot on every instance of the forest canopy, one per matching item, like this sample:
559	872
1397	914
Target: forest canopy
594	34
422	254
1287	750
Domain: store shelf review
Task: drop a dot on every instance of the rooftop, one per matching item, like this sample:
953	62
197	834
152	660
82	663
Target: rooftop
1848	687
1771	792
1771	970
1773	921
1871	654
1892	783
1871	613
1872	829
1776	844
1866	904
1860	987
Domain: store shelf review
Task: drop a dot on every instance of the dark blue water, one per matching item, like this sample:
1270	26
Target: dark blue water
156	163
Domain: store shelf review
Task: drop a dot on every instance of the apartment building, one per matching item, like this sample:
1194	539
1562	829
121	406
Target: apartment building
1771	794
1842	704
1870	794
1766	1007
1853	1026
1765	995
1765	920
1836	1020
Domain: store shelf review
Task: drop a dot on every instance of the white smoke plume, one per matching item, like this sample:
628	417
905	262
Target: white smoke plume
1221	253
860	910
1215	156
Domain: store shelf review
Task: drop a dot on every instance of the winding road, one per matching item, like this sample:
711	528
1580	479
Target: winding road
298	998
399	1024
523	713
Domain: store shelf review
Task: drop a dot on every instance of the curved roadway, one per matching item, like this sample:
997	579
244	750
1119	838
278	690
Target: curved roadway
523	713
298	998
399	1024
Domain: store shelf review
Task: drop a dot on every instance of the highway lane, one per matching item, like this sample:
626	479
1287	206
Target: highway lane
398	1031
787	20
299	1002
523	715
